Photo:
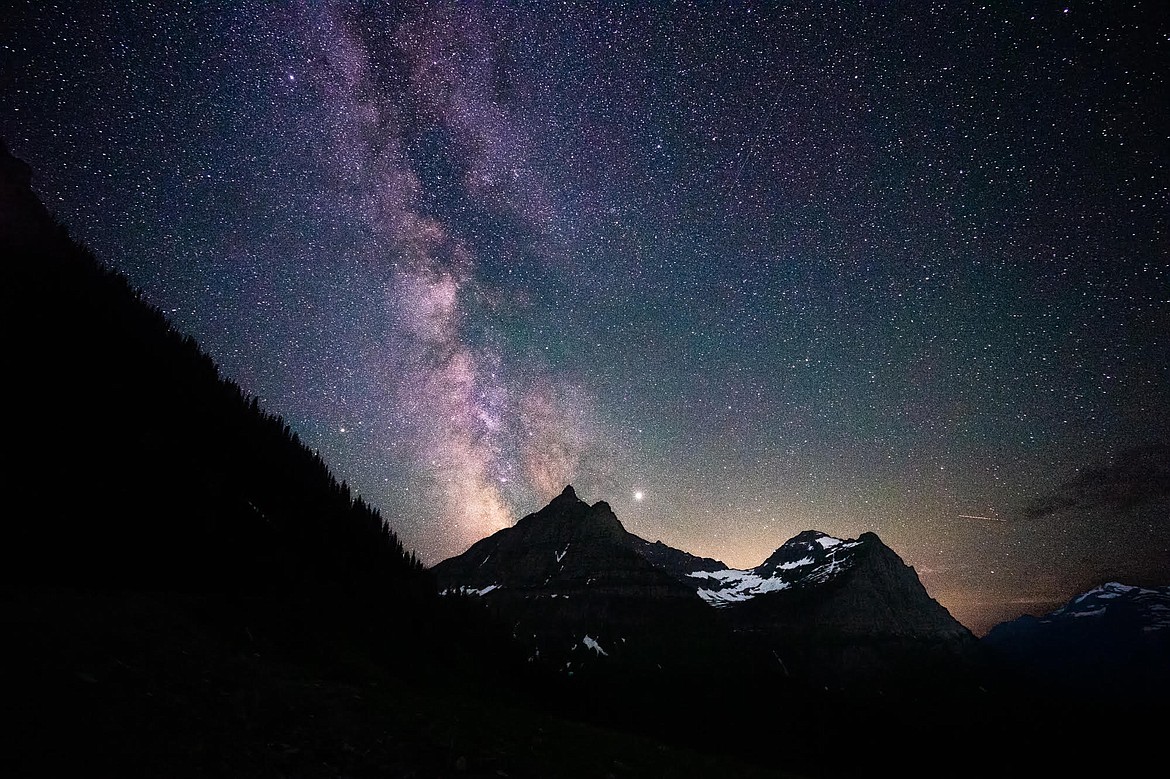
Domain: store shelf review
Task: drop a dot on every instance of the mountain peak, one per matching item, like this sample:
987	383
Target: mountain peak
806	546
808	535
566	540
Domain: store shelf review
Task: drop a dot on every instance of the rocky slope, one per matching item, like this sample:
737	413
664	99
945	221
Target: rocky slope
579	596
673	561
846	611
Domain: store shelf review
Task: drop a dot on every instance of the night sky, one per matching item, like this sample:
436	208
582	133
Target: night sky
740	271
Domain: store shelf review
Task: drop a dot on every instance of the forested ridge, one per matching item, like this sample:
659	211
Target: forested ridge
137	464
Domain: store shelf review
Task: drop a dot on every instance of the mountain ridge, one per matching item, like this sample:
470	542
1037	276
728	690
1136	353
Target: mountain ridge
815	600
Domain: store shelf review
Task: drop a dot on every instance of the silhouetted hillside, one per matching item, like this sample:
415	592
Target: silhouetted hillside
136	465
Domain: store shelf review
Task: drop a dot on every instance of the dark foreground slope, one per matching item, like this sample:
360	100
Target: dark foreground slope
153	684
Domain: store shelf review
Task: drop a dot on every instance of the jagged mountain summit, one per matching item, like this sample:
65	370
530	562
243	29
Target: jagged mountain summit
819	607
858	586
845	611
566	546
838	611
570	581
1112	641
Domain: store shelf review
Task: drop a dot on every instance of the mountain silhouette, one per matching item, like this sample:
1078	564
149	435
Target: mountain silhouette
580	596
822	609
840	611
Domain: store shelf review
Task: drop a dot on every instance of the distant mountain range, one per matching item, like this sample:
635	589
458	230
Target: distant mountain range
1112	641
583	595
822	609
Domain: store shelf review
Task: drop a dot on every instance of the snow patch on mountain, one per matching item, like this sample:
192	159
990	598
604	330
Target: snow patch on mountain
795	564
810	558
481	591
735	585
1153	603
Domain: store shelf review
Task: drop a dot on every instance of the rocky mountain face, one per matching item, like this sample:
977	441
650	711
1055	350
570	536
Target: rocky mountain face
577	585
1112	641
847	611
838	611
578	594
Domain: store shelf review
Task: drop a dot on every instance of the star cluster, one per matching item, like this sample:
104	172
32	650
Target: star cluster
740	269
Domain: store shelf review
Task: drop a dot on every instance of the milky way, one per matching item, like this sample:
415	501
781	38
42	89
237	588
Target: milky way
412	97
741	270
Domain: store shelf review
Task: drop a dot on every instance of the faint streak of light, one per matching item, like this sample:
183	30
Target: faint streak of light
755	140
989	519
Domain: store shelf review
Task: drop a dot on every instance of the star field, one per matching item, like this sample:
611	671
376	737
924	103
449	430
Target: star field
740	271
